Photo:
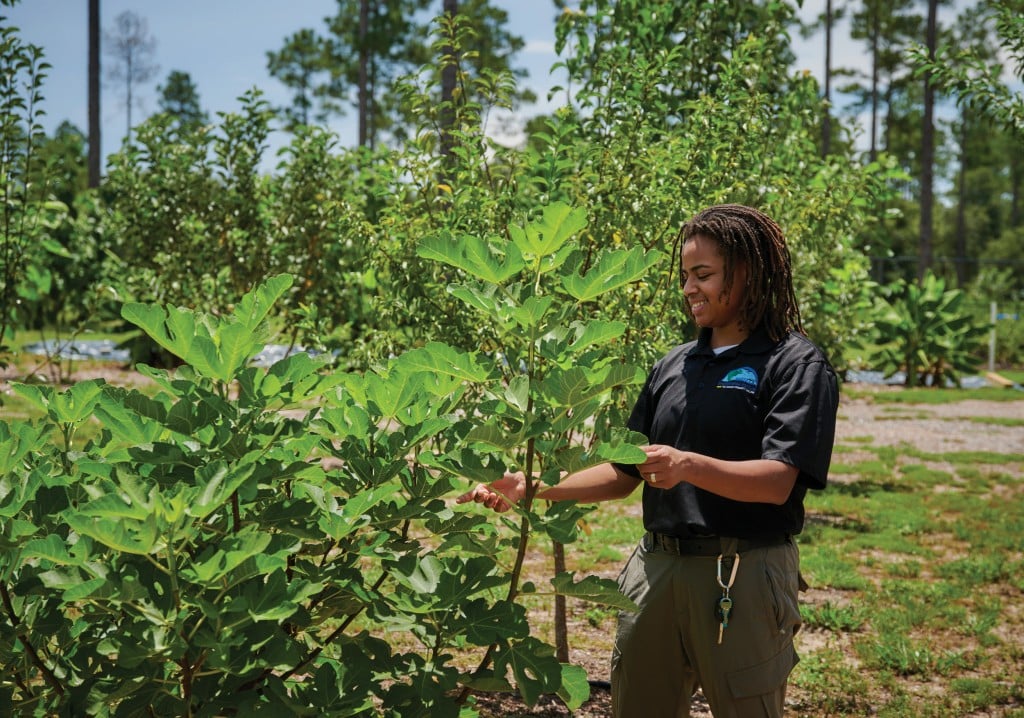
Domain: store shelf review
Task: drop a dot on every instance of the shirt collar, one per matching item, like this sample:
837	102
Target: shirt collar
757	342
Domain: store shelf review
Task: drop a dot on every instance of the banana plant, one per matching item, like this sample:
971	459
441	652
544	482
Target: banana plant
926	331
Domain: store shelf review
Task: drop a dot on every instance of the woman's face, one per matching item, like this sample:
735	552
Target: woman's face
704	282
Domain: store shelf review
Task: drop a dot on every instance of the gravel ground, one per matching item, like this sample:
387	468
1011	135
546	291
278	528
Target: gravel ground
936	428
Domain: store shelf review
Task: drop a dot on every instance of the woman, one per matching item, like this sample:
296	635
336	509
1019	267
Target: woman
741	423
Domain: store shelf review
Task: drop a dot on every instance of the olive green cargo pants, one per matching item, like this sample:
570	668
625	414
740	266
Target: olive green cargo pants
668	649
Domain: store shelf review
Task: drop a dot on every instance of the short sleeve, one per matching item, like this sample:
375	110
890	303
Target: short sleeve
800	423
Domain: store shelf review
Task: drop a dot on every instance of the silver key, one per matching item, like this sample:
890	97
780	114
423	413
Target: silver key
722	610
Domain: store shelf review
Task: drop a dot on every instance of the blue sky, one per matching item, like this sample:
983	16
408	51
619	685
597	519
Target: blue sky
222	44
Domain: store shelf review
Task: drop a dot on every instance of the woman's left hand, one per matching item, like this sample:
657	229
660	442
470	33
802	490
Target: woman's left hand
664	467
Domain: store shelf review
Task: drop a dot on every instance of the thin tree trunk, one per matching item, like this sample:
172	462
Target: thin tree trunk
128	92
561	623
364	62
1016	177
94	94
928	151
961	209
875	32
448	80
826	125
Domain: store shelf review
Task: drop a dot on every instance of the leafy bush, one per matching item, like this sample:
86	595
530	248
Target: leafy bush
244	539
26	214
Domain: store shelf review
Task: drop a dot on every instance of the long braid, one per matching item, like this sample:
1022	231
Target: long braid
750	236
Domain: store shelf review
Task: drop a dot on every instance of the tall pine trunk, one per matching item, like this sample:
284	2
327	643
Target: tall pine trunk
875	33
961	208
826	125
928	152
94	94
449	77
364	81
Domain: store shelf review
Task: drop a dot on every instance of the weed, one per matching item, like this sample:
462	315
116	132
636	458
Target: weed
976	569
833	686
909	568
925	475
904	656
997	420
833	617
978	694
824	567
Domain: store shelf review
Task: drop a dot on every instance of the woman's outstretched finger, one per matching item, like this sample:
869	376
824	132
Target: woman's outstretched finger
477	493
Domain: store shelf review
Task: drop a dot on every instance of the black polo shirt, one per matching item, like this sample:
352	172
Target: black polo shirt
759	400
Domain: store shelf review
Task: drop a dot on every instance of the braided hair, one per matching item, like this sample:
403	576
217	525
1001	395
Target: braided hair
747	235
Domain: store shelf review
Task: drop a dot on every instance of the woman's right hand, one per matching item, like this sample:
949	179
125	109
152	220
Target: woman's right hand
499	495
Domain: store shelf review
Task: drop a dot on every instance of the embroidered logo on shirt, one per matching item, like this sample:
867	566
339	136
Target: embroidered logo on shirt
743	378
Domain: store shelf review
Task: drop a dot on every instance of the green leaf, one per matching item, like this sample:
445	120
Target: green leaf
559	223
422	574
277	598
230	553
440	358
472	465
175	329
574	386
530	315
517	393
113	506
52	548
485	624
496	436
217	348
594	589
18	441
476	256
355	511
575	688
534	666
234	345
71	406
299	378
613	269
596	332
483	299
217	481
129	536
16	492
254	307
92	588
125	424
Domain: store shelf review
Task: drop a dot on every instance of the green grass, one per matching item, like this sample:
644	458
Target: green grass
925	563
1016	375
998	420
936	396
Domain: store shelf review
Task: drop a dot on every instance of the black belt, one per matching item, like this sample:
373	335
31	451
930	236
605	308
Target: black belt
709	545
